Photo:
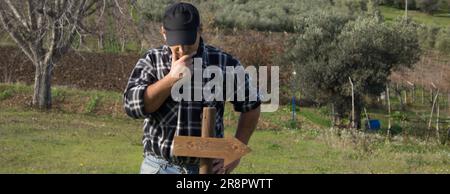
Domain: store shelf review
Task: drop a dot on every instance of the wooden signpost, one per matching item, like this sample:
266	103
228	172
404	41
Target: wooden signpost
207	147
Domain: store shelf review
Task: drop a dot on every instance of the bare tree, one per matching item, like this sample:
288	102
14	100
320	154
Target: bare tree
121	21
45	30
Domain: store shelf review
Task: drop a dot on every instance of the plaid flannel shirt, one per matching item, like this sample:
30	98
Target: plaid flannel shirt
177	118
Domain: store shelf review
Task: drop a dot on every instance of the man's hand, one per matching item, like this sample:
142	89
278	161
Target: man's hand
157	93
246	126
181	66
218	167
228	169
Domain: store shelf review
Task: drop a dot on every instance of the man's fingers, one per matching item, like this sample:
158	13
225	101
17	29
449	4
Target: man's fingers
218	169
187	57
174	57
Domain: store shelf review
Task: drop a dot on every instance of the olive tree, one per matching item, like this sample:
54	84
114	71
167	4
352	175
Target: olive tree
335	47
44	31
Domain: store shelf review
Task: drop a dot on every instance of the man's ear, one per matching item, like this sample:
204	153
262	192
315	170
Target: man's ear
163	33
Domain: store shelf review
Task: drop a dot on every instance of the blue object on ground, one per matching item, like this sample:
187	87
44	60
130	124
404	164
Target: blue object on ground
373	124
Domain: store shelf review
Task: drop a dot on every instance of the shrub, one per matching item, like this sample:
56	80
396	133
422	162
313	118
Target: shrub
334	47
427	36
5	94
263	15
443	41
400	4
396	129
428	6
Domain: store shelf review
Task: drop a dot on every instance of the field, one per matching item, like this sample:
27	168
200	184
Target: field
69	140
440	19
87	131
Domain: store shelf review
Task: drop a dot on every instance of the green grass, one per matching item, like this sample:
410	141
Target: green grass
92	103
40	142
63	142
440	19
5	94
37	142
316	117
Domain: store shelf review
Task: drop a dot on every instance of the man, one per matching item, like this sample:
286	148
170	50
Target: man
148	95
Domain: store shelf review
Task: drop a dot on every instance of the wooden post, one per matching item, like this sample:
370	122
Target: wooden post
208	130
389	109
432	110
333	121
423	88
367	118
406	9
406	99
431	95
448	101
437	120
353	104
207	147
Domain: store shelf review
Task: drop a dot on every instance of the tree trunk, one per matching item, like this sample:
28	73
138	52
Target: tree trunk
42	97
399	95
358	111
339	113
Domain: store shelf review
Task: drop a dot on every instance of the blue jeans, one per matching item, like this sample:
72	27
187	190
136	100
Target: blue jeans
153	165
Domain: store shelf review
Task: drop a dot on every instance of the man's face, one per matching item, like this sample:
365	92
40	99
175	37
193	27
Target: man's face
181	50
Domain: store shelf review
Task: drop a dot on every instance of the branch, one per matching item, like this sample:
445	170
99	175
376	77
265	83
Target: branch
118	6
17	15
89	11
17	36
32	14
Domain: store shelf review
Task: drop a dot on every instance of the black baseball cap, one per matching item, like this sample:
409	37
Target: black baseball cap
181	22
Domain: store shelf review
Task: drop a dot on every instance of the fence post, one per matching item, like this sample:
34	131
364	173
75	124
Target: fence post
389	109
353	104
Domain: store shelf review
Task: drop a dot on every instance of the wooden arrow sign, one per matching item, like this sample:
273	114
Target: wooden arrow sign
229	149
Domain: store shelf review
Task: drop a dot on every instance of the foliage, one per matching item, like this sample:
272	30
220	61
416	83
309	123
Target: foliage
335	46
154	10
433	37
262	15
428	6
92	103
443	40
5	94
